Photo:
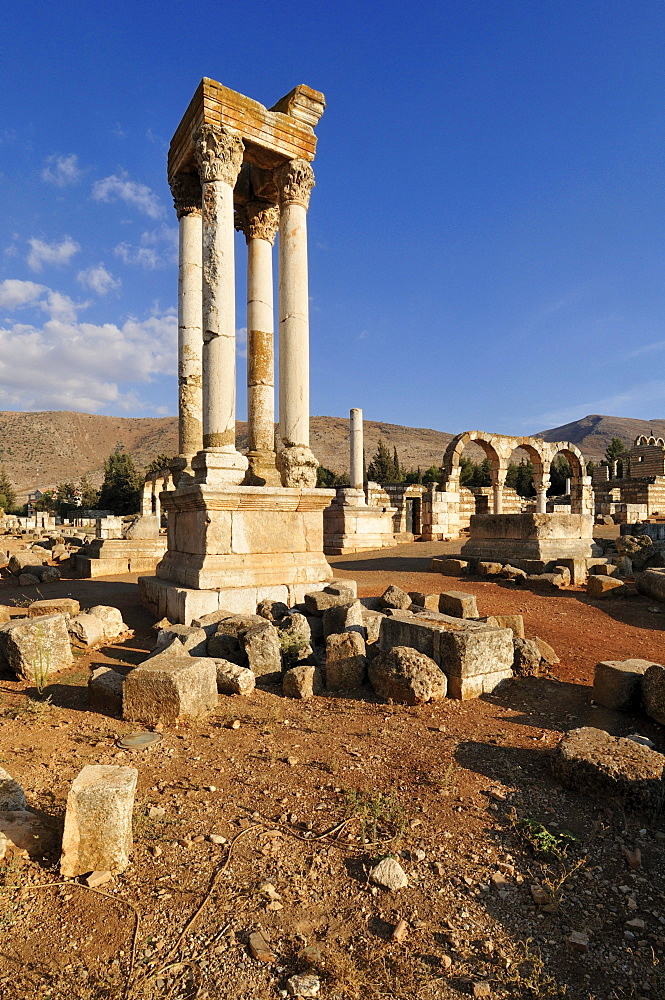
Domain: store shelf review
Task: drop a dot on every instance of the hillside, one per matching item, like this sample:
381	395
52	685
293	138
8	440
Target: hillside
42	449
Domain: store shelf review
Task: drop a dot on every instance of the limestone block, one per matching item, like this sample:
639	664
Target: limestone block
302	682
653	692
509	572
98	820
28	580
526	661
617	684
406	676
105	691
261	646
232	679
272	611
465	688
169	686
452	567
226	643
21	561
295	636
394	597
209	623
340	619
22	833
488	568
61	605
4	614
346	661
12	796
577	569
601	586
514	622
547	654
428	601
652	583
194	640
86	631
343	588
48	574
545	581
320	600
605	569
468	652
591	761
458	604
111	619
41	645
564	572
372	624
638	548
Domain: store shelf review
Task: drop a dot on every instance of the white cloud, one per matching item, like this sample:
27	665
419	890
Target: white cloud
63	363
98	279
51	253
62	170
626	403
156	248
118	186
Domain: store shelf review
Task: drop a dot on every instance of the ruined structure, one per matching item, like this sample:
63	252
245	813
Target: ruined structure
242	528
633	487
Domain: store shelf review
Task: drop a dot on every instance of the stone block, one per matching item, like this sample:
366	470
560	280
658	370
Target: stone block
232	679
36	646
111	619
545	581
428	601
209	623
320	600
458	604
48	574
272	611
468	652
652	583
302	682
452	567
526	661
488	568
4	614
346	661
226	642
98	820
105	691
340	619
406	676
343	588
466	688
19	562
193	640
12	796
605	569
617	684
170	686
86	631
28	580
395	597
23	833
372	624
513	573
602	586
535	567
611	768
547	654
653	692
513	622
564	572
577	569
262	649
58	605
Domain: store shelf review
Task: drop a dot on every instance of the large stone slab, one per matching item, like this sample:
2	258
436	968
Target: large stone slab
403	675
57	605
602	586
105	691
457	604
98	820
653	692
168	687
652	583
346	661
36	648
194	640
617	684
612	768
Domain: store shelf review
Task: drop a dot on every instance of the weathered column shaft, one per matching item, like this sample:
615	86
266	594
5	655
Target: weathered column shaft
356	449
541	501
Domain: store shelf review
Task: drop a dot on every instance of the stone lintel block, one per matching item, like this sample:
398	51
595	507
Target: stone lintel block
56	605
601	586
469	653
98	820
105	691
169	686
346	661
458	604
39	646
466	688
617	684
451	567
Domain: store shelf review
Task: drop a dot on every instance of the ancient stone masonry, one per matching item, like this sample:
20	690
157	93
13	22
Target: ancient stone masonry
633	487
248	527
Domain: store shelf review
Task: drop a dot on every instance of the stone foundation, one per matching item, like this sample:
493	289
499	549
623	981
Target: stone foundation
514	537
114	557
356	529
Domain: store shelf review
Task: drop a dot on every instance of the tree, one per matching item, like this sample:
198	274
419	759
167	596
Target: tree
89	495
7	491
159	463
615	449
472	474
120	489
396	469
382	467
520	478
560	471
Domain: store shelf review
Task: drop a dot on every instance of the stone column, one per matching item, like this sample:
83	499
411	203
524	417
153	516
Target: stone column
498	479
186	190
259	221
219	157
146	499
541	482
295	461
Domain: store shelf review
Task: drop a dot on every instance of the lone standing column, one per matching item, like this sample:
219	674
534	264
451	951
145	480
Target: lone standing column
295	461
186	190
356	450
259	221
219	157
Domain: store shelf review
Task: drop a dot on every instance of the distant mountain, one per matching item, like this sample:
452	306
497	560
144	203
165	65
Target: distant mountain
43	449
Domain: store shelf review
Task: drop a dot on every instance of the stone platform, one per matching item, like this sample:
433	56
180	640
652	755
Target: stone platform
116	556
357	528
230	547
516	537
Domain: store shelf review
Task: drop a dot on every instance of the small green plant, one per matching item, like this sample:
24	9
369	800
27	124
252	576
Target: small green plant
28	707
381	816
291	646
544	841
527	972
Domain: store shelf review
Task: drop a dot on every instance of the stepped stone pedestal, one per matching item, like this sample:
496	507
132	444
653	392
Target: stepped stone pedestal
510	538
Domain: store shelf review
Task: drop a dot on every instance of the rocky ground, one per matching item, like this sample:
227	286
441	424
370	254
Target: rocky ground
268	815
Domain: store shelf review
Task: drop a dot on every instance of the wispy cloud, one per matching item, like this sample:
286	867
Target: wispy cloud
63	363
647	349
630	398
156	248
98	279
50	253
62	170
120	187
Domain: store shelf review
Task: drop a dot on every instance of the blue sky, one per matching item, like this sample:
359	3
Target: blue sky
486	233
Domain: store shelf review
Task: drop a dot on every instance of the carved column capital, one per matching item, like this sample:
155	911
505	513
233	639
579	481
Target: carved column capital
259	220
218	154
186	191
295	181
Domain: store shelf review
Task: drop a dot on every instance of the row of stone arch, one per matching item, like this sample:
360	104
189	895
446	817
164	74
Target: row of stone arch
499	448
642	440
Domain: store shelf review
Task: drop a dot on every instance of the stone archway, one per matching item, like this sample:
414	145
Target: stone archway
498	448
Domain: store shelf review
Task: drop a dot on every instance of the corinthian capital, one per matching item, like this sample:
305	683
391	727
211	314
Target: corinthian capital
262	221
219	155
186	191
295	181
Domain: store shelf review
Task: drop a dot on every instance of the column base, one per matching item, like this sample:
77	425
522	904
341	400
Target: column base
350	497
181	468
262	469
219	467
297	467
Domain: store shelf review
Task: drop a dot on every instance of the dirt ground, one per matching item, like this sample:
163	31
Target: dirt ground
309	795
